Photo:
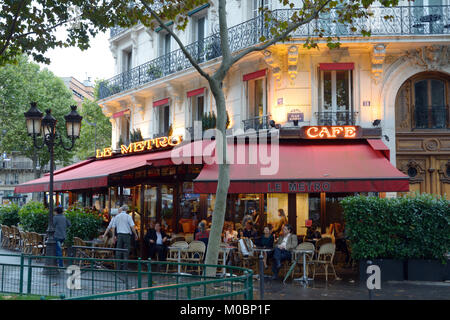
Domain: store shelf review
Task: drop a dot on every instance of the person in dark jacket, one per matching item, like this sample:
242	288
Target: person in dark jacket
156	240
61	223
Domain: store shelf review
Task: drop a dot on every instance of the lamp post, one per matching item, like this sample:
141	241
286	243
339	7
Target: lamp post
36	125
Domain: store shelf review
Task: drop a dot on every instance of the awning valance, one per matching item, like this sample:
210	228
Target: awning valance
308	167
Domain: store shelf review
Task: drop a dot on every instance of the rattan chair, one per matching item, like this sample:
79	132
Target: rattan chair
195	254
15	238
172	254
5	236
246	255
325	260
38	244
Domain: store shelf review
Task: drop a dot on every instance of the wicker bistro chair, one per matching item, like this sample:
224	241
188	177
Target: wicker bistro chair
14	238
246	255
325	260
172	254
81	253
195	254
38	247
28	242
298	256
5	236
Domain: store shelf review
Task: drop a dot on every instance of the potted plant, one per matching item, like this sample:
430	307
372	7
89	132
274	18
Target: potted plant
34	217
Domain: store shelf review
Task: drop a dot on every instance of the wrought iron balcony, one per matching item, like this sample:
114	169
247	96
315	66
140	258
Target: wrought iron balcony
116	31
408	20
338	118
258	123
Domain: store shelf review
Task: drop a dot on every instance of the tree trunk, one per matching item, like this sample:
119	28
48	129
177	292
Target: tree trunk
223	182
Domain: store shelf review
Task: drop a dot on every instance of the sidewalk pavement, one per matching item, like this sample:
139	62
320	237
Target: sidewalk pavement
349	288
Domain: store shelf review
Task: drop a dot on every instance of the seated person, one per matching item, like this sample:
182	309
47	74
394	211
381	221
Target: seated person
202	234
312	233
240	234
249	231
285	244
266	241
230	234
156	240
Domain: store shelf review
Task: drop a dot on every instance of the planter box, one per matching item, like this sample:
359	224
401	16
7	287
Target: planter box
428	270
391	270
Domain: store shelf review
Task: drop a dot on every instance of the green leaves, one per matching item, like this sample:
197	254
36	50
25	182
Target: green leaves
9	214
398	228
85	223
34	217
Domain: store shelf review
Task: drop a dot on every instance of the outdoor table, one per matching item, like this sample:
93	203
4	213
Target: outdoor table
261	250
431	18
304	279
97	248
179	249
226	251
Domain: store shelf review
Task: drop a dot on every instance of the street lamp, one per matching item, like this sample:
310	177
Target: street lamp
36	125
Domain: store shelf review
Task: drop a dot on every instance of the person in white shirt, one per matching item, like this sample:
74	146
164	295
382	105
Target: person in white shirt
124	225
230	234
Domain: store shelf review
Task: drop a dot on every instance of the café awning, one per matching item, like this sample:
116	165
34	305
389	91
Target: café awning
325	166
94	173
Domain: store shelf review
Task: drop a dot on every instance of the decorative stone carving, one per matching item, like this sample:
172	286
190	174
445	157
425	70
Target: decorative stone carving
431	144
176	93
292	62
403	107
274	63
138	105
430	57
409	167
444	172
338	53
113	49
378	56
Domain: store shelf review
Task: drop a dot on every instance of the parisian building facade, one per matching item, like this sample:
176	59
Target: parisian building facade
393	84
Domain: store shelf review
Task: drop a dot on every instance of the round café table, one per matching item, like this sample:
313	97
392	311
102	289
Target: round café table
304	279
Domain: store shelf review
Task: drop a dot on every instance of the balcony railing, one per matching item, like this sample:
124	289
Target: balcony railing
411	20
338	118
258	123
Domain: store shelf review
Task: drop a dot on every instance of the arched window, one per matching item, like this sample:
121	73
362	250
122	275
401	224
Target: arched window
423	102
430	105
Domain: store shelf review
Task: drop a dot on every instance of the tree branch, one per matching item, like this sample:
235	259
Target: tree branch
182	47
12	27
282	36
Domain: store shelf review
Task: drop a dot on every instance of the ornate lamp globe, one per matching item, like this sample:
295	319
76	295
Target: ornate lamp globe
73	123
34	119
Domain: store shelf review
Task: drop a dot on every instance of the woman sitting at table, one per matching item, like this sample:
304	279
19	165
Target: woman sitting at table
156	240
230	235
266	241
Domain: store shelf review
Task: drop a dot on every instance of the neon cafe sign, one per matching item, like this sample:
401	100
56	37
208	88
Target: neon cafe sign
141	146
331	132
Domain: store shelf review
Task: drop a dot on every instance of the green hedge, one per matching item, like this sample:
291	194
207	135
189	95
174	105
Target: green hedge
34	217
85	224
9	214
416	227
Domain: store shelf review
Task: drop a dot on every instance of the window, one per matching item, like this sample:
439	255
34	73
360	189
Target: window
430	109
198	106
165	49
427	16
163	120
127	60
260	4
124	130
335	97
257	117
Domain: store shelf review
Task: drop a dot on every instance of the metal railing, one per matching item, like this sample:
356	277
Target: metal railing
258	123
407	20
144	279
338	118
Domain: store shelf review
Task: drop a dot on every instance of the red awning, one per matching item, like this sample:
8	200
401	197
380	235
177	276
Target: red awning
195	92
337	66
94	173
121	113
379	145
254	75
308	167
161	102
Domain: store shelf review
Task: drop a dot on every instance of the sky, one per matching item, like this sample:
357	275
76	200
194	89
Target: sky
96	62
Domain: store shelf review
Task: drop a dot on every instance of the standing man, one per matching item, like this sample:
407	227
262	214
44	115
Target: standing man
61	224
124	225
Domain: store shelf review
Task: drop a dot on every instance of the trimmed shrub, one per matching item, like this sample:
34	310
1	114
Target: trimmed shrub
9	214
34	217
85	223
415	227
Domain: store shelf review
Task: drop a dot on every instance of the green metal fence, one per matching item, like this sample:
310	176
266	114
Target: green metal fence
89	278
